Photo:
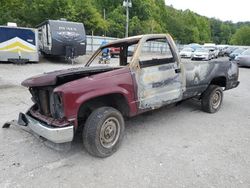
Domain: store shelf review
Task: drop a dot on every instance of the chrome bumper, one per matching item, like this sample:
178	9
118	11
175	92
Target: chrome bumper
53	134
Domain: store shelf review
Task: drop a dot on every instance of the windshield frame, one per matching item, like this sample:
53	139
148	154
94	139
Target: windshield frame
119	43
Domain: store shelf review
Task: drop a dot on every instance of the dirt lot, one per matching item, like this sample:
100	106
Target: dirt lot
171	147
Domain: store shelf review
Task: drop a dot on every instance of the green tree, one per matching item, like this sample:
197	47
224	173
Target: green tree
242	36
146	16
135	26
225	33
116	21
12	11
87	13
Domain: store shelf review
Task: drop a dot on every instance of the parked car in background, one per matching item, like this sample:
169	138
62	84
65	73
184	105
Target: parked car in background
187	52
216	52
229	50
201	54
222	49
114	51
213	49
235	53
194	46
244	58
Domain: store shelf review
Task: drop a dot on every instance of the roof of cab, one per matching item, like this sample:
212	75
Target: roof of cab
134	39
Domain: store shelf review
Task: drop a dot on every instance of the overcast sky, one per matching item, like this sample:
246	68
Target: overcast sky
235	10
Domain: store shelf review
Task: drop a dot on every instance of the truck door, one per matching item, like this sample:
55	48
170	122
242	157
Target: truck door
158	78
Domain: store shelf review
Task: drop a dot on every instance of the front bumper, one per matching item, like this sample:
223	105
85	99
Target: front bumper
53	134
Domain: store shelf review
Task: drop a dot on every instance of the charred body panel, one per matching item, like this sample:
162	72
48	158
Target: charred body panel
200	74
158	77
158	85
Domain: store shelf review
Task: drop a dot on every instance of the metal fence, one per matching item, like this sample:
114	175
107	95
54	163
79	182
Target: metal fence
94	42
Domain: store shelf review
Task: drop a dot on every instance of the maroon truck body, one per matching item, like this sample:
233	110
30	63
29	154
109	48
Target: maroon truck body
76	93
66	100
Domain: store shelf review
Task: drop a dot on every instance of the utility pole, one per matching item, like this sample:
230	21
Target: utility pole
104	14
127	4
104	17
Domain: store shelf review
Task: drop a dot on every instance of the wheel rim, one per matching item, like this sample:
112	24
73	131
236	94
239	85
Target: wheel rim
110	132
216	99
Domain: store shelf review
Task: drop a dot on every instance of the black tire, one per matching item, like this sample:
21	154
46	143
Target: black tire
212	99
103	132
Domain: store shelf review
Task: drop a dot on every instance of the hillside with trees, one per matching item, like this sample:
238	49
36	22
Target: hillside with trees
146	16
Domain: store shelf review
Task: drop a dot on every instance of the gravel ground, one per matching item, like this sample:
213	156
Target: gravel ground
170	147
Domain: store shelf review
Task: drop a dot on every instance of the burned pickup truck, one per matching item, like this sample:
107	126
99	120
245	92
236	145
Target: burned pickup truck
95	99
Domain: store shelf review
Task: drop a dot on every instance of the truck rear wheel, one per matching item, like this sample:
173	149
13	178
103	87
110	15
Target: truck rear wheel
212	99
103	131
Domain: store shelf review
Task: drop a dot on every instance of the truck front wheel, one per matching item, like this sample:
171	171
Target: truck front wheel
103	131
212	99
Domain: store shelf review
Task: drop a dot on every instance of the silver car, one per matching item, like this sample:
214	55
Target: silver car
213	50
244	58
202	54
235	53
186	52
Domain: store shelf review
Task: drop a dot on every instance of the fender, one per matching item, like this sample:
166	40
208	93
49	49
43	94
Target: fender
71	113
107	91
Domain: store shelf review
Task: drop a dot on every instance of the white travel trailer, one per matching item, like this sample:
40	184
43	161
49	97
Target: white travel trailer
18	44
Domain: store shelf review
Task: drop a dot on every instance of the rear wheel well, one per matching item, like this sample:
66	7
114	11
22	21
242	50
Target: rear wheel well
219	81
117	101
